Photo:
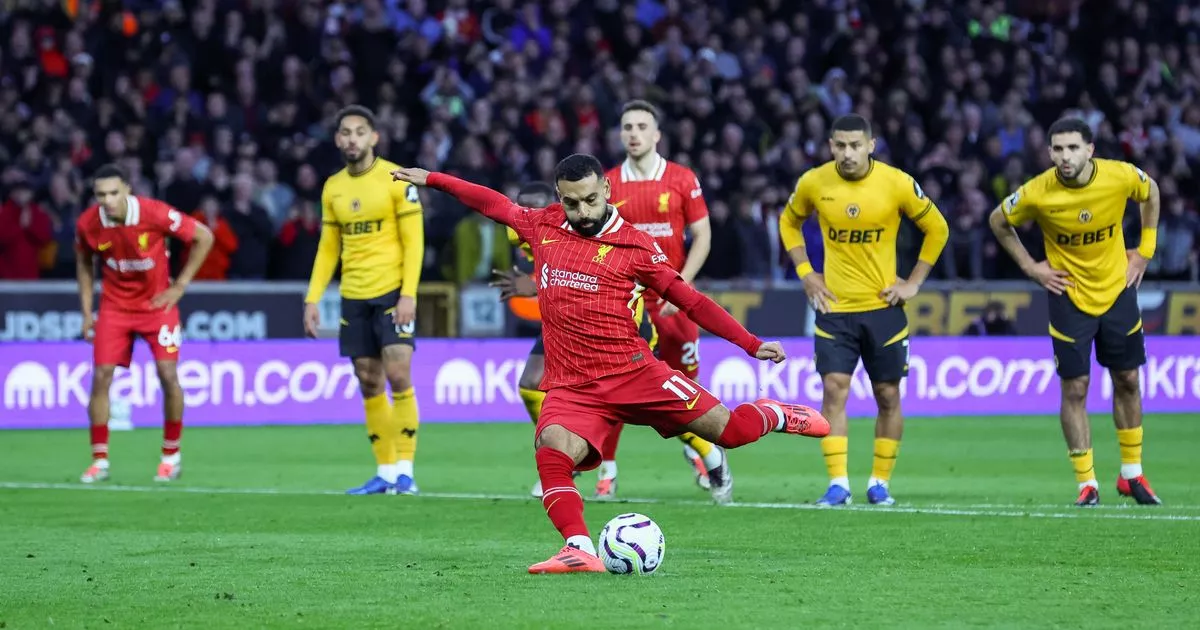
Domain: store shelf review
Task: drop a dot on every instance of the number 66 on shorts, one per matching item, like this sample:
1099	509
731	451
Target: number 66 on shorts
116	332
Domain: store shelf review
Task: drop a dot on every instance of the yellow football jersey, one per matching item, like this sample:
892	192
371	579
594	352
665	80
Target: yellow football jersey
1081	225
859	221
378	228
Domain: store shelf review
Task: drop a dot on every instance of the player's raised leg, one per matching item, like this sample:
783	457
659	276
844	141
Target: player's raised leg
405	418
171	466
98	402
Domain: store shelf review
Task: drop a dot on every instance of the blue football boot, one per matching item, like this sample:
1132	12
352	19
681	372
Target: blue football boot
835	495
375	485
406	485
878	495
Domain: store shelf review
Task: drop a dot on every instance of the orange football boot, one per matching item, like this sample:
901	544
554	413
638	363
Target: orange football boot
799	419
569	560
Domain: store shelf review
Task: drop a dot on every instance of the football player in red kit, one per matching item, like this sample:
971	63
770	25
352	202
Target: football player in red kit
591	267
663	199
127	236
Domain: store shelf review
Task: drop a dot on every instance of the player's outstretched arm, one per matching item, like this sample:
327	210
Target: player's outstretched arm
482	199
1054	280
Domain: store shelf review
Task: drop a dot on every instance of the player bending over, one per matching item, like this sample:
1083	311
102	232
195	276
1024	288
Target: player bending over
858	299
663	198
127	235
1092	280
591	267
377	229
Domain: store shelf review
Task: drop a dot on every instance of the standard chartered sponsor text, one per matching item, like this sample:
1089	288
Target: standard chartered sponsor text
574	280
273	382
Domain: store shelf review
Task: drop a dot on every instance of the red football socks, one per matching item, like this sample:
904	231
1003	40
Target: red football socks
561	499
608	450
172	430
747	424
99	441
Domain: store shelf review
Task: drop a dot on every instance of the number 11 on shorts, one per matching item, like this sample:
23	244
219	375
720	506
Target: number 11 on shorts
677	384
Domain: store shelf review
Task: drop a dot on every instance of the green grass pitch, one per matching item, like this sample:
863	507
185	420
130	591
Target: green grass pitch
258	535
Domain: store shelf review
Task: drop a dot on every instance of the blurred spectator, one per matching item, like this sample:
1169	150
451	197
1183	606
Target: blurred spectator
993	321
253	229
296	246
225	242
724	260
25	232
1178	233
189	96
478	246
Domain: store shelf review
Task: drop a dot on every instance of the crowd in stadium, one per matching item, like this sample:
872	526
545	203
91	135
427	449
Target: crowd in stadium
224	109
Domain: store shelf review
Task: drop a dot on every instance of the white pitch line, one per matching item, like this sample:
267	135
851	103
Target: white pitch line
1014	511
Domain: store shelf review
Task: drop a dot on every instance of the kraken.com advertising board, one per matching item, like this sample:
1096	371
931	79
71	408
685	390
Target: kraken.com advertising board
45	385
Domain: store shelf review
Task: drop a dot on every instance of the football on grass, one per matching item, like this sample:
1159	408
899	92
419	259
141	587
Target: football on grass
632	543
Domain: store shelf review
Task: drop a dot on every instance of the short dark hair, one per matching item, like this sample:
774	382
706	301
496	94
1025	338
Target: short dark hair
640	105
109	171
536	188
355	110
578	166
851	122
1070	125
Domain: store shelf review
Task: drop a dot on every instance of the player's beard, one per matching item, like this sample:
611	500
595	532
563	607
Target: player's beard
592	227
357	161
1074	170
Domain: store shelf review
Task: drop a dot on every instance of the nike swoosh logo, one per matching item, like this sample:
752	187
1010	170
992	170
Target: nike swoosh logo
172	349
692	403
547	241
103	246
620	203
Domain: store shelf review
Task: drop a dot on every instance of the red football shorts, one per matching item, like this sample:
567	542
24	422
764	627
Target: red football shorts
116	331
654	396
678	341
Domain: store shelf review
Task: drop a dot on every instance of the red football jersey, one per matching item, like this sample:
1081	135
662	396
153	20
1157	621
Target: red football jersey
588	287
662	205
133	254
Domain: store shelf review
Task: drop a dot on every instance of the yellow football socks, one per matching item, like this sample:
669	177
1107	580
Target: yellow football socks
700	445
886	450
835	448
1085	469
533	399
381	429
1131	452
406	419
